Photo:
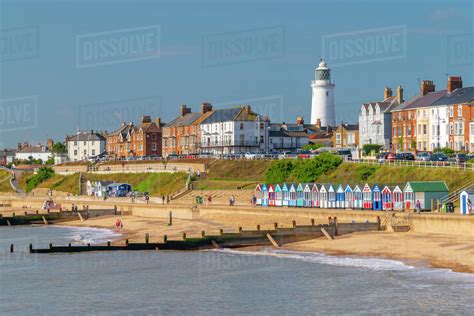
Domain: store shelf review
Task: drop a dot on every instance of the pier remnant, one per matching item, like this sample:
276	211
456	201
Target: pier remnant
80	216
274	243
170	218
216	245
44	220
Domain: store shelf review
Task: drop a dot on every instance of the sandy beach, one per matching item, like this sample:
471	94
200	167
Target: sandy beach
440	251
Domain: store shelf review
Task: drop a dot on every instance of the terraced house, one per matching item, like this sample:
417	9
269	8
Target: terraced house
136	141
181	136
234	130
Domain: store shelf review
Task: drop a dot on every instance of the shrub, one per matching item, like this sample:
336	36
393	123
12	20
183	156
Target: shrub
302	170
447	151
368	148
43	174
312	146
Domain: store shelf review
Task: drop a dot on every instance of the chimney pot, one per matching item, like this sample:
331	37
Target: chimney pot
400	95
454	83
206	107
427	86
184	110
387	93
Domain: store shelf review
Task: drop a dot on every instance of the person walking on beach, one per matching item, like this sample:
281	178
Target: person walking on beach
418	206
117	225
209	199
232	200
163	199
254	200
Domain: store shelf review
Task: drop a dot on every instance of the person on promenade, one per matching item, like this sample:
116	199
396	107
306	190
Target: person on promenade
163	199
418	206
209	199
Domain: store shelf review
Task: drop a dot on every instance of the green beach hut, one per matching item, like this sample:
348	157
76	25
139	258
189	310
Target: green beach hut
425	191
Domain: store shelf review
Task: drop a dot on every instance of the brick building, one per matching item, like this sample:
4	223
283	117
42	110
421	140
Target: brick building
136	141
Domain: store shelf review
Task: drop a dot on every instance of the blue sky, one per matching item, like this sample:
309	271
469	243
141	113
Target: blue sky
181	64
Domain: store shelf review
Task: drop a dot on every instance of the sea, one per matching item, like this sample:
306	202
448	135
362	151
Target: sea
215	282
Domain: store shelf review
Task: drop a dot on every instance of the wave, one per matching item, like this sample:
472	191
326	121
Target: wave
366	263
89	235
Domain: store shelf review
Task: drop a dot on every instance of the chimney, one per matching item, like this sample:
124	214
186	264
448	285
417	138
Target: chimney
387	93
400	94
123	124
206	107
247	109
299	120
146	119
183	110
454	83
318	123
427	86
158	121
50	143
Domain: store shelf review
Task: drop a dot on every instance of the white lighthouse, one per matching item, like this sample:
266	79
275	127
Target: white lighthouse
322	105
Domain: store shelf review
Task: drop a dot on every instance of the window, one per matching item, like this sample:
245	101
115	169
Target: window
241	126
93	152
75	152
424	129
338	138
262	125
451	111
350	139
460	110
261	139
75	143
408	130
451	129
153	146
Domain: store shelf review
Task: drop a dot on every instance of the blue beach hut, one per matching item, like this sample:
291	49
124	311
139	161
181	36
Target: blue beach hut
292	199
340	197
285	195
466	198
358	198
349	197
264	195
376	198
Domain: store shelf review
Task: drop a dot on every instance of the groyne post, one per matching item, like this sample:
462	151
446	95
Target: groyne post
335	226
170	218
294	224
165	238
312	222
108	243
50	246
184	236
147	238
11	248
258	227
240	230
379	223
31	247
203	234
126	242
221	231
276	226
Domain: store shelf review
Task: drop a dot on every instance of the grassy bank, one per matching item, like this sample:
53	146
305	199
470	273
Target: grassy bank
233	174
382	174
5	181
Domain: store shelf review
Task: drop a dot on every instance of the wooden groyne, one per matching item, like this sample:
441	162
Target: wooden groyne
49	217
241	238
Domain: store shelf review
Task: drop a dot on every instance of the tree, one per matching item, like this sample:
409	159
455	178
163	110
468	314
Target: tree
368	148
58	148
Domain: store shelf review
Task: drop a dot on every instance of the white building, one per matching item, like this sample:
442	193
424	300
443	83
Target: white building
288	137
375	120
85	145
36	152
234	131
322	105
439	127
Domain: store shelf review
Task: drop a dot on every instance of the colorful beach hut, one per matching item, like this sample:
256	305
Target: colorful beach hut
408	197
292	199
376	198
278	196
323	197
258	194
425	192
271	195
331	196
340	197
300	195
349	197
358	198
264	195
367	197
307	195
285	195
465	202
315	195
397	198
387	199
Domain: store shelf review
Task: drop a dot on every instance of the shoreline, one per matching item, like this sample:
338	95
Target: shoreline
419	249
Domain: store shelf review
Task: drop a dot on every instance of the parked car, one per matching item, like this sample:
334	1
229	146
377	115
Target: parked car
458	158
345	154
382	157
391	157
423	156
405	156
249	155
438	157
